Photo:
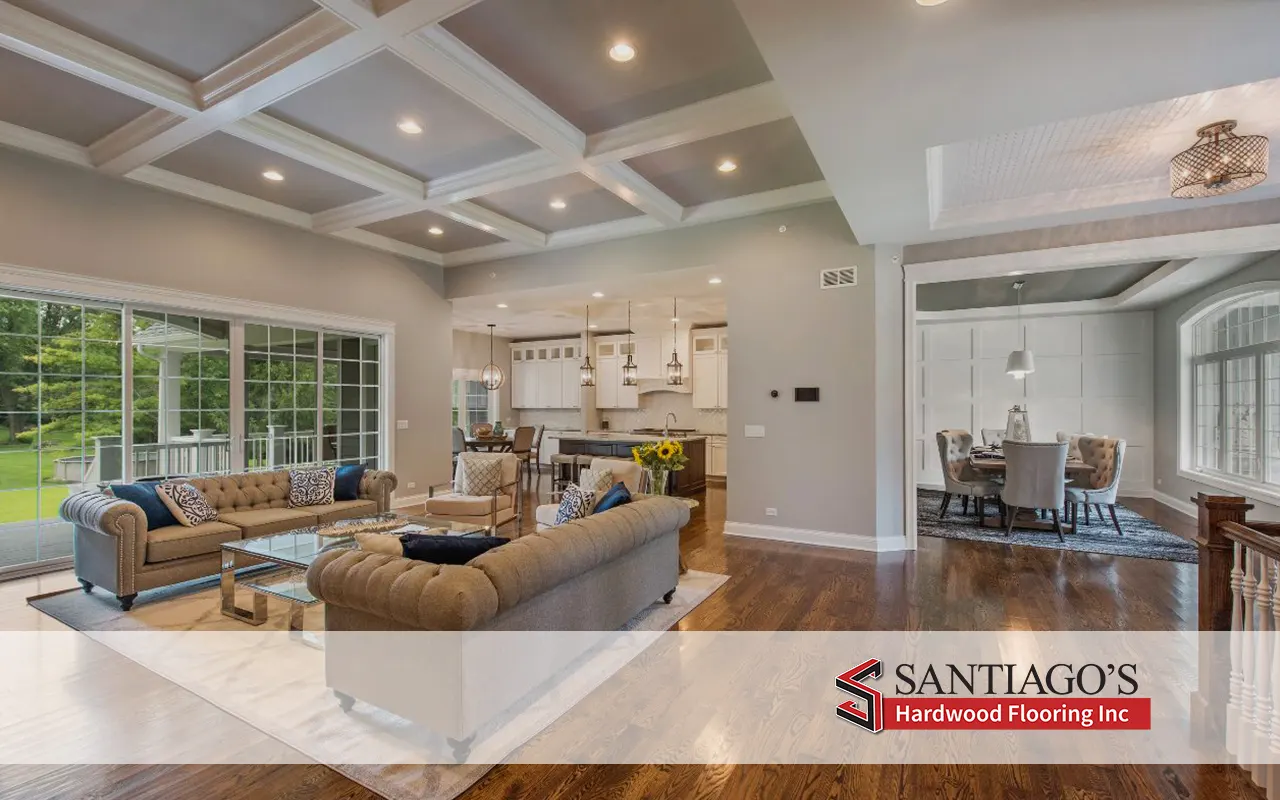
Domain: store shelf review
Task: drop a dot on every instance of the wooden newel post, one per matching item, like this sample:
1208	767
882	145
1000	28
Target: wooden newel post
1217	556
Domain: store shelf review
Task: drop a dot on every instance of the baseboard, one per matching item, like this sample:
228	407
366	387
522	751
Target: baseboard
1177	505
846	541
409	500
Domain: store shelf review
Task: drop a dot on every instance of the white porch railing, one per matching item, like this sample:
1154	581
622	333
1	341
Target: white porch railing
197	455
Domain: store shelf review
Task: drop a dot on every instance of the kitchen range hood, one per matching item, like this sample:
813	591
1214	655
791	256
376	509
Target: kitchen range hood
650	385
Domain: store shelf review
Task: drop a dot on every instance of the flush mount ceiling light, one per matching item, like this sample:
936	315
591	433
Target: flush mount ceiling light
622	52
491	376
727	165
410	126
586	372
273	175
1220	162
558	204
435	230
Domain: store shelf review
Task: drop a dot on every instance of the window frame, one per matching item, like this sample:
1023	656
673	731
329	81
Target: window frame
1190	361
458	403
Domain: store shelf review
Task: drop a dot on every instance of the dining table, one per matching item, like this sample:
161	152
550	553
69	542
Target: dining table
997	466
500	444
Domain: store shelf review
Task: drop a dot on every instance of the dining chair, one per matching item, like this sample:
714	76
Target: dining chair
537	450
992	437
958	477
459	444
1033	480
1073	443
1100	487
522	446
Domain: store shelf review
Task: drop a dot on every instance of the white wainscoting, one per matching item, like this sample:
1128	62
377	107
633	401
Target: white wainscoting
1094	372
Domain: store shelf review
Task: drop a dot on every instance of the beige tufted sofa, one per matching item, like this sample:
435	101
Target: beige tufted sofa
590	575
114	549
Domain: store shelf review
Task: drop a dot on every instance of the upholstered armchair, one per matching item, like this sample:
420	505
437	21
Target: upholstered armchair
1100	487
958	477
1034	480
1073	443
503	505
993	437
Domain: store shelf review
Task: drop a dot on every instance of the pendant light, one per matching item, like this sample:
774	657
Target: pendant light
629	371
587	372
1021	362
491	376
675	370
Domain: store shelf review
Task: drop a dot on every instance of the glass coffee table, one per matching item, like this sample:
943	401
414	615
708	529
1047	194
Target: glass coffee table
293	551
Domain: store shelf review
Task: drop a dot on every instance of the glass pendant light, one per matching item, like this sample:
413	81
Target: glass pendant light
629	370
675	370
491	376
587	372
1021	363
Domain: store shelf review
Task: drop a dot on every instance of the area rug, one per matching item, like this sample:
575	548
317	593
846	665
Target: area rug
287	698
1142	538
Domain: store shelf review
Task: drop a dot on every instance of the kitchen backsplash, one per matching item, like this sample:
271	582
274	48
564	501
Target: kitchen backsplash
653	410
557	419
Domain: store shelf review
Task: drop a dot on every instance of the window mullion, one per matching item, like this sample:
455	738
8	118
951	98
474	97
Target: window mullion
1222	416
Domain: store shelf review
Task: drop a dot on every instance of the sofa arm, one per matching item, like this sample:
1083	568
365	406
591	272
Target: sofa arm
377	485
414	593
104	514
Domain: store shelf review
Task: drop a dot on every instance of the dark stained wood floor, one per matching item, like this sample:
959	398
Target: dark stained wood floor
945	585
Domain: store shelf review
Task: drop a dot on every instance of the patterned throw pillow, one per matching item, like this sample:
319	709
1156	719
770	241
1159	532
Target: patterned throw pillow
575	503
596	480
480	476
186	503
311	487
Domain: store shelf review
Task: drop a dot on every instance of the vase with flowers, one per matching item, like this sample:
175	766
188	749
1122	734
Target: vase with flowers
659	460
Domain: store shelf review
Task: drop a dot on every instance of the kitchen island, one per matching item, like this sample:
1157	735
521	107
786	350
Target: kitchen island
685	483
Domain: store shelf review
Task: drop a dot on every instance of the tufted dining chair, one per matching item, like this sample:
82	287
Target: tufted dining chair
1073	442
992	437
958	477
1034	479
1100	487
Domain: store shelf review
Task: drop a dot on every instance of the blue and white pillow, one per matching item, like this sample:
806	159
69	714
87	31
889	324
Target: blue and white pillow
311	487
575	503
186	503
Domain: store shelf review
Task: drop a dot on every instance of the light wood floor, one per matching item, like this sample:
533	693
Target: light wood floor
945	585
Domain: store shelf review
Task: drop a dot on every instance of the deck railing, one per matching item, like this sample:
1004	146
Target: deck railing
277	448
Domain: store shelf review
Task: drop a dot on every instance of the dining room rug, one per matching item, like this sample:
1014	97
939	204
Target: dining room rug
1142	538
289	700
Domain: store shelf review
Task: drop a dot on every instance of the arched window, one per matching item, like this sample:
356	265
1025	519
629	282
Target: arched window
1233	351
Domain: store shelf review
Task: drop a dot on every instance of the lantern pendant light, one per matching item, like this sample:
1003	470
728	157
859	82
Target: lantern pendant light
587	372
629	370
1021	363
675	370
491	376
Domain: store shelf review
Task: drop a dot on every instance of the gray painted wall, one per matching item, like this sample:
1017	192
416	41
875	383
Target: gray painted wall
471	352
832	466
1166	385
66	219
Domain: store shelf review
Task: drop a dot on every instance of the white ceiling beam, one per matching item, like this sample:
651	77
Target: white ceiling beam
747	205
287	140
629	185
488	221
510	173
364	212
133	134
745	108
49	43
44	145
388	245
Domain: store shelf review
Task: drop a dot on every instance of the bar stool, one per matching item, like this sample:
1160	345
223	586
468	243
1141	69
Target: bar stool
564	470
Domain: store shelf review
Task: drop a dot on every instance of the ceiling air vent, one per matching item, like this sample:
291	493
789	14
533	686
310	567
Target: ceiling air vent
839	277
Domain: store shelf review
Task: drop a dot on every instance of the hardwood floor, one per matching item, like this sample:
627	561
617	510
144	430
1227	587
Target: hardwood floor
945	585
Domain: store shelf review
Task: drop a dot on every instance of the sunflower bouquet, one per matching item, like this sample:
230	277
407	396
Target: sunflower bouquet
658	459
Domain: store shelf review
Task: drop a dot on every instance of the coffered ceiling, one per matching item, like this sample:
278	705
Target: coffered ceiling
504	124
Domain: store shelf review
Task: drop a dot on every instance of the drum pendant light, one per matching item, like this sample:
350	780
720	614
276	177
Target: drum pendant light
1021	363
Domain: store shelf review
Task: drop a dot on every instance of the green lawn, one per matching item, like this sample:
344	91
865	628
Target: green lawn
18	496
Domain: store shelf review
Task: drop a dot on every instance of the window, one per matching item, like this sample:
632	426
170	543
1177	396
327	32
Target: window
1236	389
473	403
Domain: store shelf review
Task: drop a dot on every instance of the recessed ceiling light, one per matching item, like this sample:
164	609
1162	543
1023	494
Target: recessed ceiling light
728	165
593	327
502	305
597	294
435	230
714	281
273	175
558	204
675	319
622	51
409	125
487	228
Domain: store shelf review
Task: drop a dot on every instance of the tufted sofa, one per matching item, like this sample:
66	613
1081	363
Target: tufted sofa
590	576
115	550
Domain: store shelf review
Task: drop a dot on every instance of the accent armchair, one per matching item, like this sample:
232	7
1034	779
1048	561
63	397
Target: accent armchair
1034	480
958	477
503	506
1100	487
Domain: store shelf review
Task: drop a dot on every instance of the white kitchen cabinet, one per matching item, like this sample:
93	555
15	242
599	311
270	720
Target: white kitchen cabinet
608	382
717	456
650	363
610	355
550	379
539	375
710	361
570	378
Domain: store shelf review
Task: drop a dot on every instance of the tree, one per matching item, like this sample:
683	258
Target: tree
18	320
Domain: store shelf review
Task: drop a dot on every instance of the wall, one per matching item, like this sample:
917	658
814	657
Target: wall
471	354
817	464
1177	490
1093	373
62	218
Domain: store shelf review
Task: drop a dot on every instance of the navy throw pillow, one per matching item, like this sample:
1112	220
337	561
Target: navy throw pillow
144	496
346	483
616	496
447	549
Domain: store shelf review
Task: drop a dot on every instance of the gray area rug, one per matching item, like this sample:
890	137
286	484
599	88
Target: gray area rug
1142	538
